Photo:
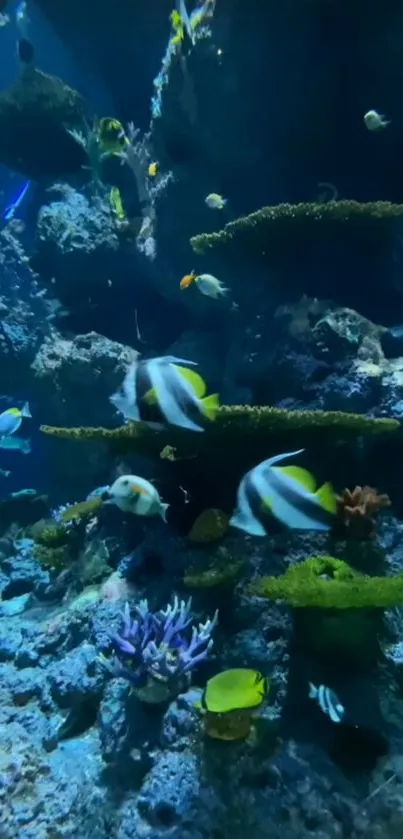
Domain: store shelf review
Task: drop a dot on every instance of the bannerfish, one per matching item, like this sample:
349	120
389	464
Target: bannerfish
210	286
178	393
11	419
328	701
374	121
288	492
133	494
111	136
15	444
186	21
215	201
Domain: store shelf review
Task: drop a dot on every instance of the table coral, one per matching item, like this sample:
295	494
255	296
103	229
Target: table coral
233	424
266	223
327	583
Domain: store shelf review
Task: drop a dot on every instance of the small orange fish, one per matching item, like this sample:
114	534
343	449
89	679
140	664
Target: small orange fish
187	280
153	170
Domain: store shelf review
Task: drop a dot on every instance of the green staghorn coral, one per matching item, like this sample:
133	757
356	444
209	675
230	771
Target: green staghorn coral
327	583
271	221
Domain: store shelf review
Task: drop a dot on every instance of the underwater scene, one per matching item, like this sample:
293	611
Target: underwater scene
201	419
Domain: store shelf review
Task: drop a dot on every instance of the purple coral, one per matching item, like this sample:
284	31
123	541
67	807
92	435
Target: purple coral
159	645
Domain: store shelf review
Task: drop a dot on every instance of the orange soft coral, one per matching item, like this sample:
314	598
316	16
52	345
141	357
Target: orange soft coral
356	508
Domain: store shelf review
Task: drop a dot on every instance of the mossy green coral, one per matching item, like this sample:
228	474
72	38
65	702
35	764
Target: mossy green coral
272	218
327	583
49	533
82	510
224	572
232	423
53	559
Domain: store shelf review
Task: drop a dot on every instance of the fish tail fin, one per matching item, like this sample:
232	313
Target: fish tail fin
163	511
313	691
210	406
327	498
25	411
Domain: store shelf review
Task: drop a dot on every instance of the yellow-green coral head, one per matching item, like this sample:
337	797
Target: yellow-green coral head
288	492
111	136
235	690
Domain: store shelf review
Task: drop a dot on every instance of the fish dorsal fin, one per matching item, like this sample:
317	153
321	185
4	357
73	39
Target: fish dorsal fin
327	498
196	382
301	476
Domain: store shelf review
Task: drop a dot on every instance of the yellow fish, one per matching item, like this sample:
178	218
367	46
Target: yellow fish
187	280
234	690
153	170
111	136
115	201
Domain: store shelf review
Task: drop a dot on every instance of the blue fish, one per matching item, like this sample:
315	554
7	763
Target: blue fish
15	444
12	208
11	420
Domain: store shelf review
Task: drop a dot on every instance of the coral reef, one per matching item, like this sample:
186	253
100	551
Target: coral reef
327	583
35	114
63	372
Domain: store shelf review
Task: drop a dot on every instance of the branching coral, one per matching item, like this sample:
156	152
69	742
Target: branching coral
328	583
356	508
137	154
158	651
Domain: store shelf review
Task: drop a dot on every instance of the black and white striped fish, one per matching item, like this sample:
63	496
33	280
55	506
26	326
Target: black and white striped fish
287	492
177	391
328	701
